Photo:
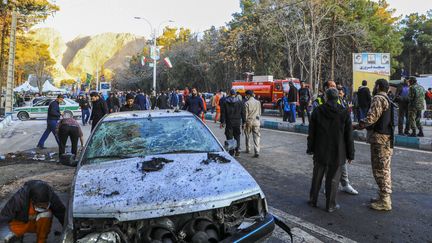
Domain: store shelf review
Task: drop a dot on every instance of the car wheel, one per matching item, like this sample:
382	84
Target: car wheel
68	113
23	116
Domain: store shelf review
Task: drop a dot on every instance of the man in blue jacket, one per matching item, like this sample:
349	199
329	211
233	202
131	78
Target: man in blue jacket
141	101
52	120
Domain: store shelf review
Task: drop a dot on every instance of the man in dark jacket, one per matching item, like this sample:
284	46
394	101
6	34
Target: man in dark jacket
100	109
30	210
130	105
162	101
85	109
174	99
363	99
233	118
141	100
331	143
194	104
292	100
305	99
402	99
113	103
52	120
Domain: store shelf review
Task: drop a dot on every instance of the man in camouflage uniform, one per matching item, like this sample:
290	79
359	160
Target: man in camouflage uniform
380	136
415	106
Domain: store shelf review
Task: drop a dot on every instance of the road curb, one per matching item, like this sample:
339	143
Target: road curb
400	141
5	122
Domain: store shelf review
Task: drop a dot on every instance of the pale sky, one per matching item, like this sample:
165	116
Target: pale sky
90	17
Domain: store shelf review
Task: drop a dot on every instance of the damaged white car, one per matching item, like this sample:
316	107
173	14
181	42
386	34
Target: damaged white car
162	177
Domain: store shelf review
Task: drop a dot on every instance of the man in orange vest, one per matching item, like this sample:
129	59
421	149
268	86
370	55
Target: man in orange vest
30	210
217	104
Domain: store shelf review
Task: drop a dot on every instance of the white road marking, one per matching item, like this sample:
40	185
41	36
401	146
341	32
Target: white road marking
358	142
291	219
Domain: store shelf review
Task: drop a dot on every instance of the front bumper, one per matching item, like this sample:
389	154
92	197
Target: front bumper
256	232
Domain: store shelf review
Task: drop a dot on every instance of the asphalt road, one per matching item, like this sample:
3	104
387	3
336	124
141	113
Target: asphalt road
284	172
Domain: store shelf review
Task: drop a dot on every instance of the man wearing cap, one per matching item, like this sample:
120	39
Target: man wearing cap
233	118
30	210
52	120
130	104
252	127
415	107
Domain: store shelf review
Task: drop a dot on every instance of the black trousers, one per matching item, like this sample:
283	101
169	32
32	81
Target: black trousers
286	115
233	132
66	132
303	110
95	122
403	115
333	174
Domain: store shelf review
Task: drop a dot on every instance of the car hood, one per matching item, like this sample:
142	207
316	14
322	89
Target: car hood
121	189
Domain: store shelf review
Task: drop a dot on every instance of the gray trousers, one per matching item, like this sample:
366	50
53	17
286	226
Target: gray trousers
344	175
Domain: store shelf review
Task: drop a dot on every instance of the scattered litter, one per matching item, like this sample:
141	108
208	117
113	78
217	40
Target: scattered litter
114	193
154	164
216	158
39	157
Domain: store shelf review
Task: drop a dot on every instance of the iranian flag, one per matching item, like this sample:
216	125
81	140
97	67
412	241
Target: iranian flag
167	62
143	61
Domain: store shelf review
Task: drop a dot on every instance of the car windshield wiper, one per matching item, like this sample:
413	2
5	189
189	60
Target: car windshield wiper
113	156
184	151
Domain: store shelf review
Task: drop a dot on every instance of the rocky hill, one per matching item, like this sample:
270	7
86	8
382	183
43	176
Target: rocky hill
85	53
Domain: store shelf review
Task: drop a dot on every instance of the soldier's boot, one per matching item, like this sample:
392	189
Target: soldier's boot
383	204
413	134
420	134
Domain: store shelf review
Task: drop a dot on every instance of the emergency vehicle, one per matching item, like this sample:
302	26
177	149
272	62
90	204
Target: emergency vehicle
267	90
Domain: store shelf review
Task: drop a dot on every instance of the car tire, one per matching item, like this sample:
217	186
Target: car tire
69	113
23	116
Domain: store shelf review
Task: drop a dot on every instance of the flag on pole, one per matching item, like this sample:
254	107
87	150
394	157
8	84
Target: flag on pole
89	78
167	62
143	61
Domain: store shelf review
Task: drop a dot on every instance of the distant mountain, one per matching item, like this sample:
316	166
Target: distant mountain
84	53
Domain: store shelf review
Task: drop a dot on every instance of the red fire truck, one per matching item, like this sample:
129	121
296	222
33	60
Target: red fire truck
268	91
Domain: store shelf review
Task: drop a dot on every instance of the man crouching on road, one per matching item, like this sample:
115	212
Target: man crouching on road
380	136
30	210
331	142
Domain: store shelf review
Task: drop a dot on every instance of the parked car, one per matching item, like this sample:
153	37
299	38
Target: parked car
208	97
147	176
40	109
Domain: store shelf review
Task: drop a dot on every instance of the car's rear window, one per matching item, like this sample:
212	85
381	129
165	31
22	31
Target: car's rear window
149	136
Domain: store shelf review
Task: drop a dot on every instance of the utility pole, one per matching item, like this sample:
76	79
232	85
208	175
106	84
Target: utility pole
11	61
97	76
154	60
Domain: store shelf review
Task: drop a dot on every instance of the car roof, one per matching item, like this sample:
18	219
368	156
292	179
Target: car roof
145	114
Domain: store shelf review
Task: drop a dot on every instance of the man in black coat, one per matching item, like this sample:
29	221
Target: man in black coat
130	104
292	100
364	99
194	104
30	210
233	118
113	103
331	143
162	101
99	109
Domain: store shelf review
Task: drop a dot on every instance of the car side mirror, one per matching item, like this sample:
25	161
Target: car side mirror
230	144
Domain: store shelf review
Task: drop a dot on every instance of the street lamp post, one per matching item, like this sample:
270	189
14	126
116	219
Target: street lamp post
154	33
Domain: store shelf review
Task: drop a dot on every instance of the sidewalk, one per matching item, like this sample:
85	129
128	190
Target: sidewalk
276	123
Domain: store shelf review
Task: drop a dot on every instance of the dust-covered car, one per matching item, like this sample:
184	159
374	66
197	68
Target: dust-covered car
40	109
162	176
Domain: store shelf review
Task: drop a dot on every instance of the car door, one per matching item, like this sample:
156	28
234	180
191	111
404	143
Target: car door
40	109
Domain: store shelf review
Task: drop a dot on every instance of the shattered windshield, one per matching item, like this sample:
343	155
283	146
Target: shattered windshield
141	137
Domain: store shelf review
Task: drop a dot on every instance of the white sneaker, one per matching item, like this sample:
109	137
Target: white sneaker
349	189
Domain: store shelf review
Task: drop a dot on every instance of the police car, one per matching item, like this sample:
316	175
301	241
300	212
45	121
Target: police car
40	109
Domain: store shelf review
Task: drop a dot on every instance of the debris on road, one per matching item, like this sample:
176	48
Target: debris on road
30	155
